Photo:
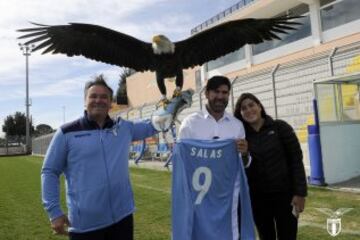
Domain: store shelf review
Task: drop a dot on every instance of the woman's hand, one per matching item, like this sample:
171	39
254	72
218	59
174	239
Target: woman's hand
298	203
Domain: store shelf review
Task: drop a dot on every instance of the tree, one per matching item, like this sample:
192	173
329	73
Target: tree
121	93
2	141
9	126
43	129
15	126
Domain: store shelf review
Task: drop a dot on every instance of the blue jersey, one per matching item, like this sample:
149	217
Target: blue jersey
204	193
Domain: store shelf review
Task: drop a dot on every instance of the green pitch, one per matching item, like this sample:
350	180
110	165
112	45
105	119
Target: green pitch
23	218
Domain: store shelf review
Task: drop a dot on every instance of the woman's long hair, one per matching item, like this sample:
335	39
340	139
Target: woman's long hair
237	111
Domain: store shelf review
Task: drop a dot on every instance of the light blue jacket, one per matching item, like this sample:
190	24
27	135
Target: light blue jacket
95	164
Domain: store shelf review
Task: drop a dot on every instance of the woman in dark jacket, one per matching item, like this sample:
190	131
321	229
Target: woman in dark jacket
276	175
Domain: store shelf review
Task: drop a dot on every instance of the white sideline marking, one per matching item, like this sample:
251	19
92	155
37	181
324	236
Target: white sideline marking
152	188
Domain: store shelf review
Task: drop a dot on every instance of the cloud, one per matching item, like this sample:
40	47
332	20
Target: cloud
56	80
49	12
16	14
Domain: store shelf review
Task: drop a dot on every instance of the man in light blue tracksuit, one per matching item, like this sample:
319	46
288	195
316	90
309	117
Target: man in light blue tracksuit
92	152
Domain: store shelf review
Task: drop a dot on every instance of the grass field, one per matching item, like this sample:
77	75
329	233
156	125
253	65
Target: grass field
23	218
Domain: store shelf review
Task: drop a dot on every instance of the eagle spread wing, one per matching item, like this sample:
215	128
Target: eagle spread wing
94	42
230	36
109	46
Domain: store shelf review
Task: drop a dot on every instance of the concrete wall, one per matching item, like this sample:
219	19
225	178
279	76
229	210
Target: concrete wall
142	87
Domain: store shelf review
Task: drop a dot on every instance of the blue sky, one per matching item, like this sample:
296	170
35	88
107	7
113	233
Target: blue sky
57	81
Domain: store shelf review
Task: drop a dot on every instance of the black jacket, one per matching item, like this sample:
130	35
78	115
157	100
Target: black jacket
277	165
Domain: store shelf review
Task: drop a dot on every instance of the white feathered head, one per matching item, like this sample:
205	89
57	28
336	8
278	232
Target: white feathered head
162	44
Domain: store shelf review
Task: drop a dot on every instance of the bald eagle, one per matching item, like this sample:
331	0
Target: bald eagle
165	58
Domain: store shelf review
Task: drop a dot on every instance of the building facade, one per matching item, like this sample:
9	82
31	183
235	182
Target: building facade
281	72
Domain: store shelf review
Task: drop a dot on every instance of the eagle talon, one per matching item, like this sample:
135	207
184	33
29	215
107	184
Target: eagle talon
177	93
163	103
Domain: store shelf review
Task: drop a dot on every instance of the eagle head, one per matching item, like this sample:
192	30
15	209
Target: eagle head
162	44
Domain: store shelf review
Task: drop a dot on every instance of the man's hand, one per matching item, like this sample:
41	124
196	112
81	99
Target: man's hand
242	146
299	203
60	224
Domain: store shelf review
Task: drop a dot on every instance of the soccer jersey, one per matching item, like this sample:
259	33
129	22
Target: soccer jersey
204	193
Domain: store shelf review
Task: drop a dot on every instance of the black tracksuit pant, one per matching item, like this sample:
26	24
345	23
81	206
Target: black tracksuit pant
273	216
122	230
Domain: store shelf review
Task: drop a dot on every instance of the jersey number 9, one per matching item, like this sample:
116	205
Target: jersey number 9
204	187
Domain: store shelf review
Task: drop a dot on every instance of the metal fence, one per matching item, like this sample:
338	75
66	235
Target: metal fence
12	150
40	144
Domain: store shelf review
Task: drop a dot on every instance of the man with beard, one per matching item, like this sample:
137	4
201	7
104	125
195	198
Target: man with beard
214	123
92	153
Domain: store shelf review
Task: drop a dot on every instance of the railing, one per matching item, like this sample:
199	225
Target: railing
221	15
